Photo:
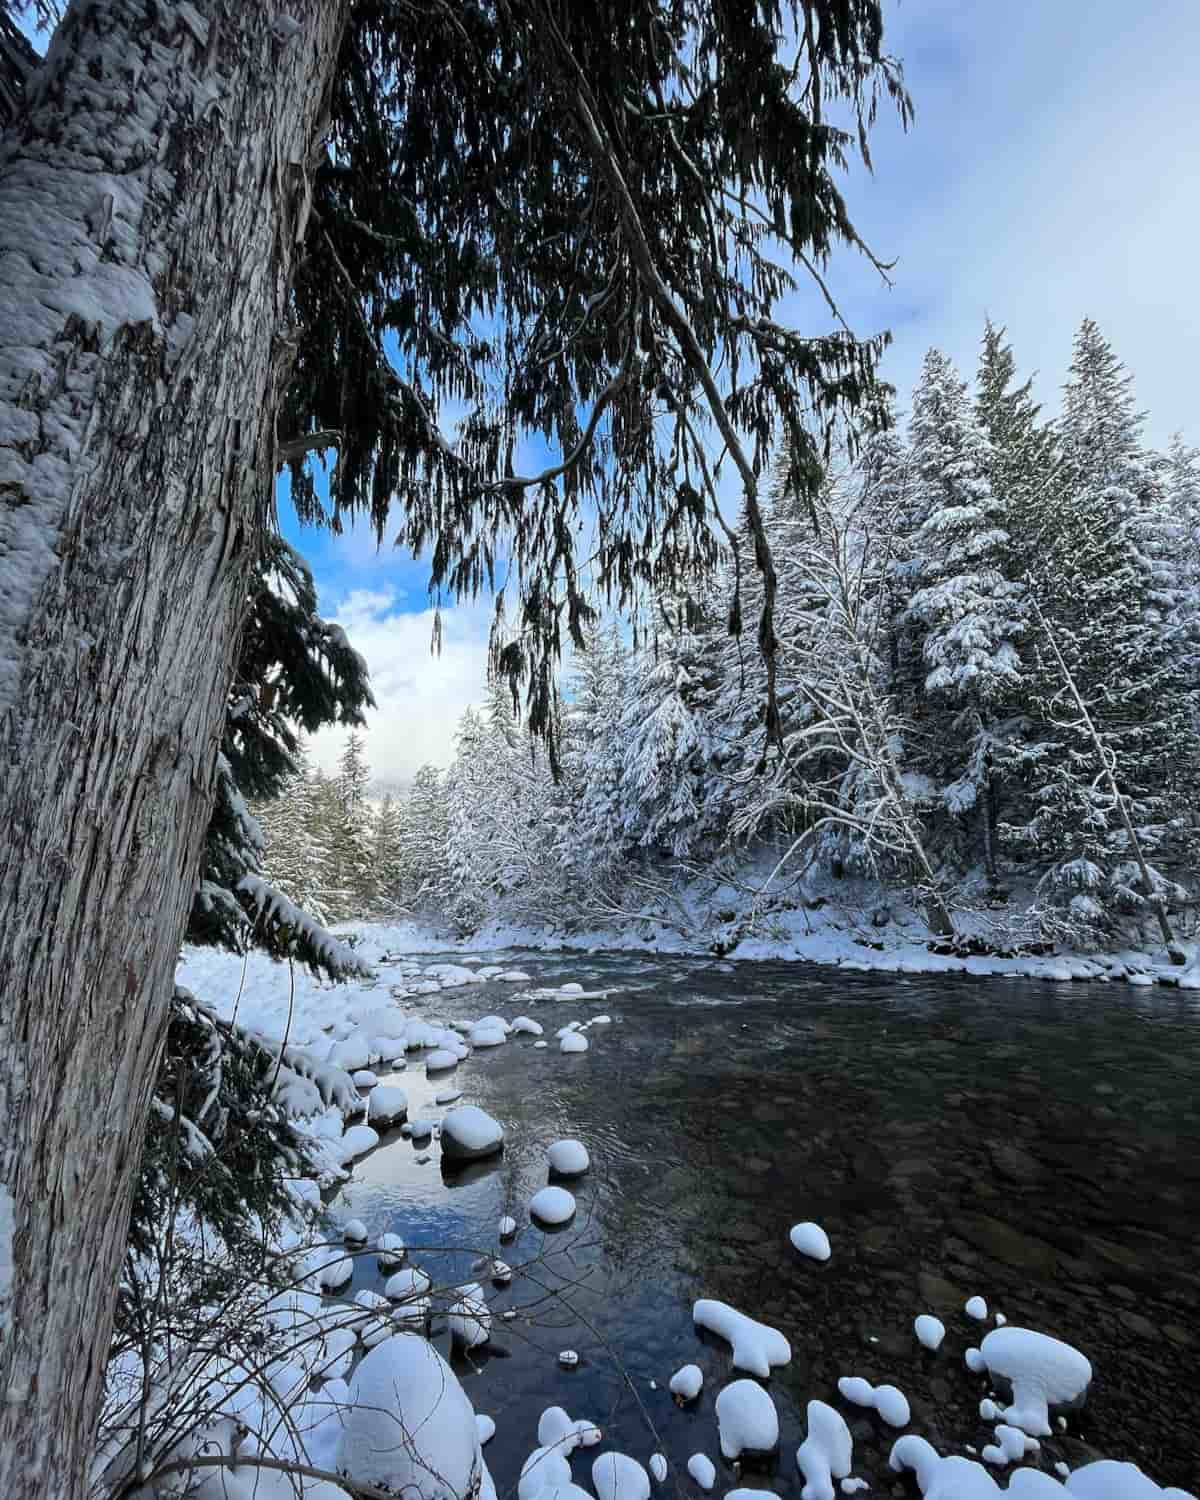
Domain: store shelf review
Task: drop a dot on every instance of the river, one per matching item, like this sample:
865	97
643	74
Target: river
1034	1143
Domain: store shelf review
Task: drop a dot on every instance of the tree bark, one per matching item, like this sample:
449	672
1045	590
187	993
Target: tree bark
151	204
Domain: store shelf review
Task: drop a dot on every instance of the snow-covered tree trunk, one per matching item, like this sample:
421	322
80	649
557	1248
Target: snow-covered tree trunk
151	204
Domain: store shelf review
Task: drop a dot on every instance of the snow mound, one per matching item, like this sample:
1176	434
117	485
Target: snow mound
487	1034
335	1273
930	1331
523	1026
357	1141
556	1430
410	1426
686	1382
441	1060
568	1158
1043	1372
514	976
573	1042
747	1421
469	1133
890	1403
658	1467
365	1079
354	1232
387	1104
826	1453
616	1476
976	1308
552	1205
757	1347
810	1240
570	989
703	1470
447	1096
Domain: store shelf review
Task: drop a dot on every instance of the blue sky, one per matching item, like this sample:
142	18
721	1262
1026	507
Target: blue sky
1052	173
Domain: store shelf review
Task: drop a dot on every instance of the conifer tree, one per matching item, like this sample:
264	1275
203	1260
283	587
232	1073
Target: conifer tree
968	604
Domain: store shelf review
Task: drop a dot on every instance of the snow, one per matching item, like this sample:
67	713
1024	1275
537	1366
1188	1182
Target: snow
487	1034
757	1347
557	1430
810	1240
507	1227
357	1140
1042	1370
365	1079
552	1205
658	1467
485	1427
976	1308
386	1105
687	1382
975	1361
469	1133
826	1453
410	1426
930	1331
569	1158
616	1476
746	1419
354	1232
890	1403
573	1042
703	1470
335	1272
523	1026
447	1096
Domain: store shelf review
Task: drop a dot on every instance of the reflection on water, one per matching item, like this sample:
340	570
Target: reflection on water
1034	1143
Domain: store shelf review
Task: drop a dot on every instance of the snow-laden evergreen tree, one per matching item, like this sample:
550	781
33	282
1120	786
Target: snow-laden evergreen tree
967	604
351	829
593	841
1100	583
387	857
423	837
1021	454
671	787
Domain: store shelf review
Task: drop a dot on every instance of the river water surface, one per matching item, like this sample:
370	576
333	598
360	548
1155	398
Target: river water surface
1034	1143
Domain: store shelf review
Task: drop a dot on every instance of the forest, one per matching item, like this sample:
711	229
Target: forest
989	632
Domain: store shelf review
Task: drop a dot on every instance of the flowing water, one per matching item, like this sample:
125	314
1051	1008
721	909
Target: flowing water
1035	1143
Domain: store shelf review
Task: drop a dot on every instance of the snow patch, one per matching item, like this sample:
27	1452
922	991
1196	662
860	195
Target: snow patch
757	1347
826	1454
747	1421
811	1240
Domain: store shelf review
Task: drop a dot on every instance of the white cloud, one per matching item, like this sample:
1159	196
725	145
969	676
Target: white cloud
420	697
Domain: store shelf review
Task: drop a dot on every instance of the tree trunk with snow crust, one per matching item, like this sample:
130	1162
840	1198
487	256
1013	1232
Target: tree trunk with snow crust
151	204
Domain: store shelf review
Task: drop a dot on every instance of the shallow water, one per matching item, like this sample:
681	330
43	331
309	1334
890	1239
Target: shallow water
1035	1143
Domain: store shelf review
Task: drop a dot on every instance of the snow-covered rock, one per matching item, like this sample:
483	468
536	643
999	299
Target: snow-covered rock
974	1361
544	1469
501	1272
573	1042
335	1273
556	1430
616	1476
487	1034
571	989
976	1308
524	1026
441	1060
658	1467
958	1478
930	1331
757	1347
336	1358
1042	1371
469	1134
552	1205
507	1227
447	1096
568	1158
419	1129
356	1141
389	1253
514	976
365	1079
470	1318
826	1453
890	1403
485	1427
686	1382
354	1232
811	1240
703	1470
411	1281
746	1419
387	1105
410	1427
